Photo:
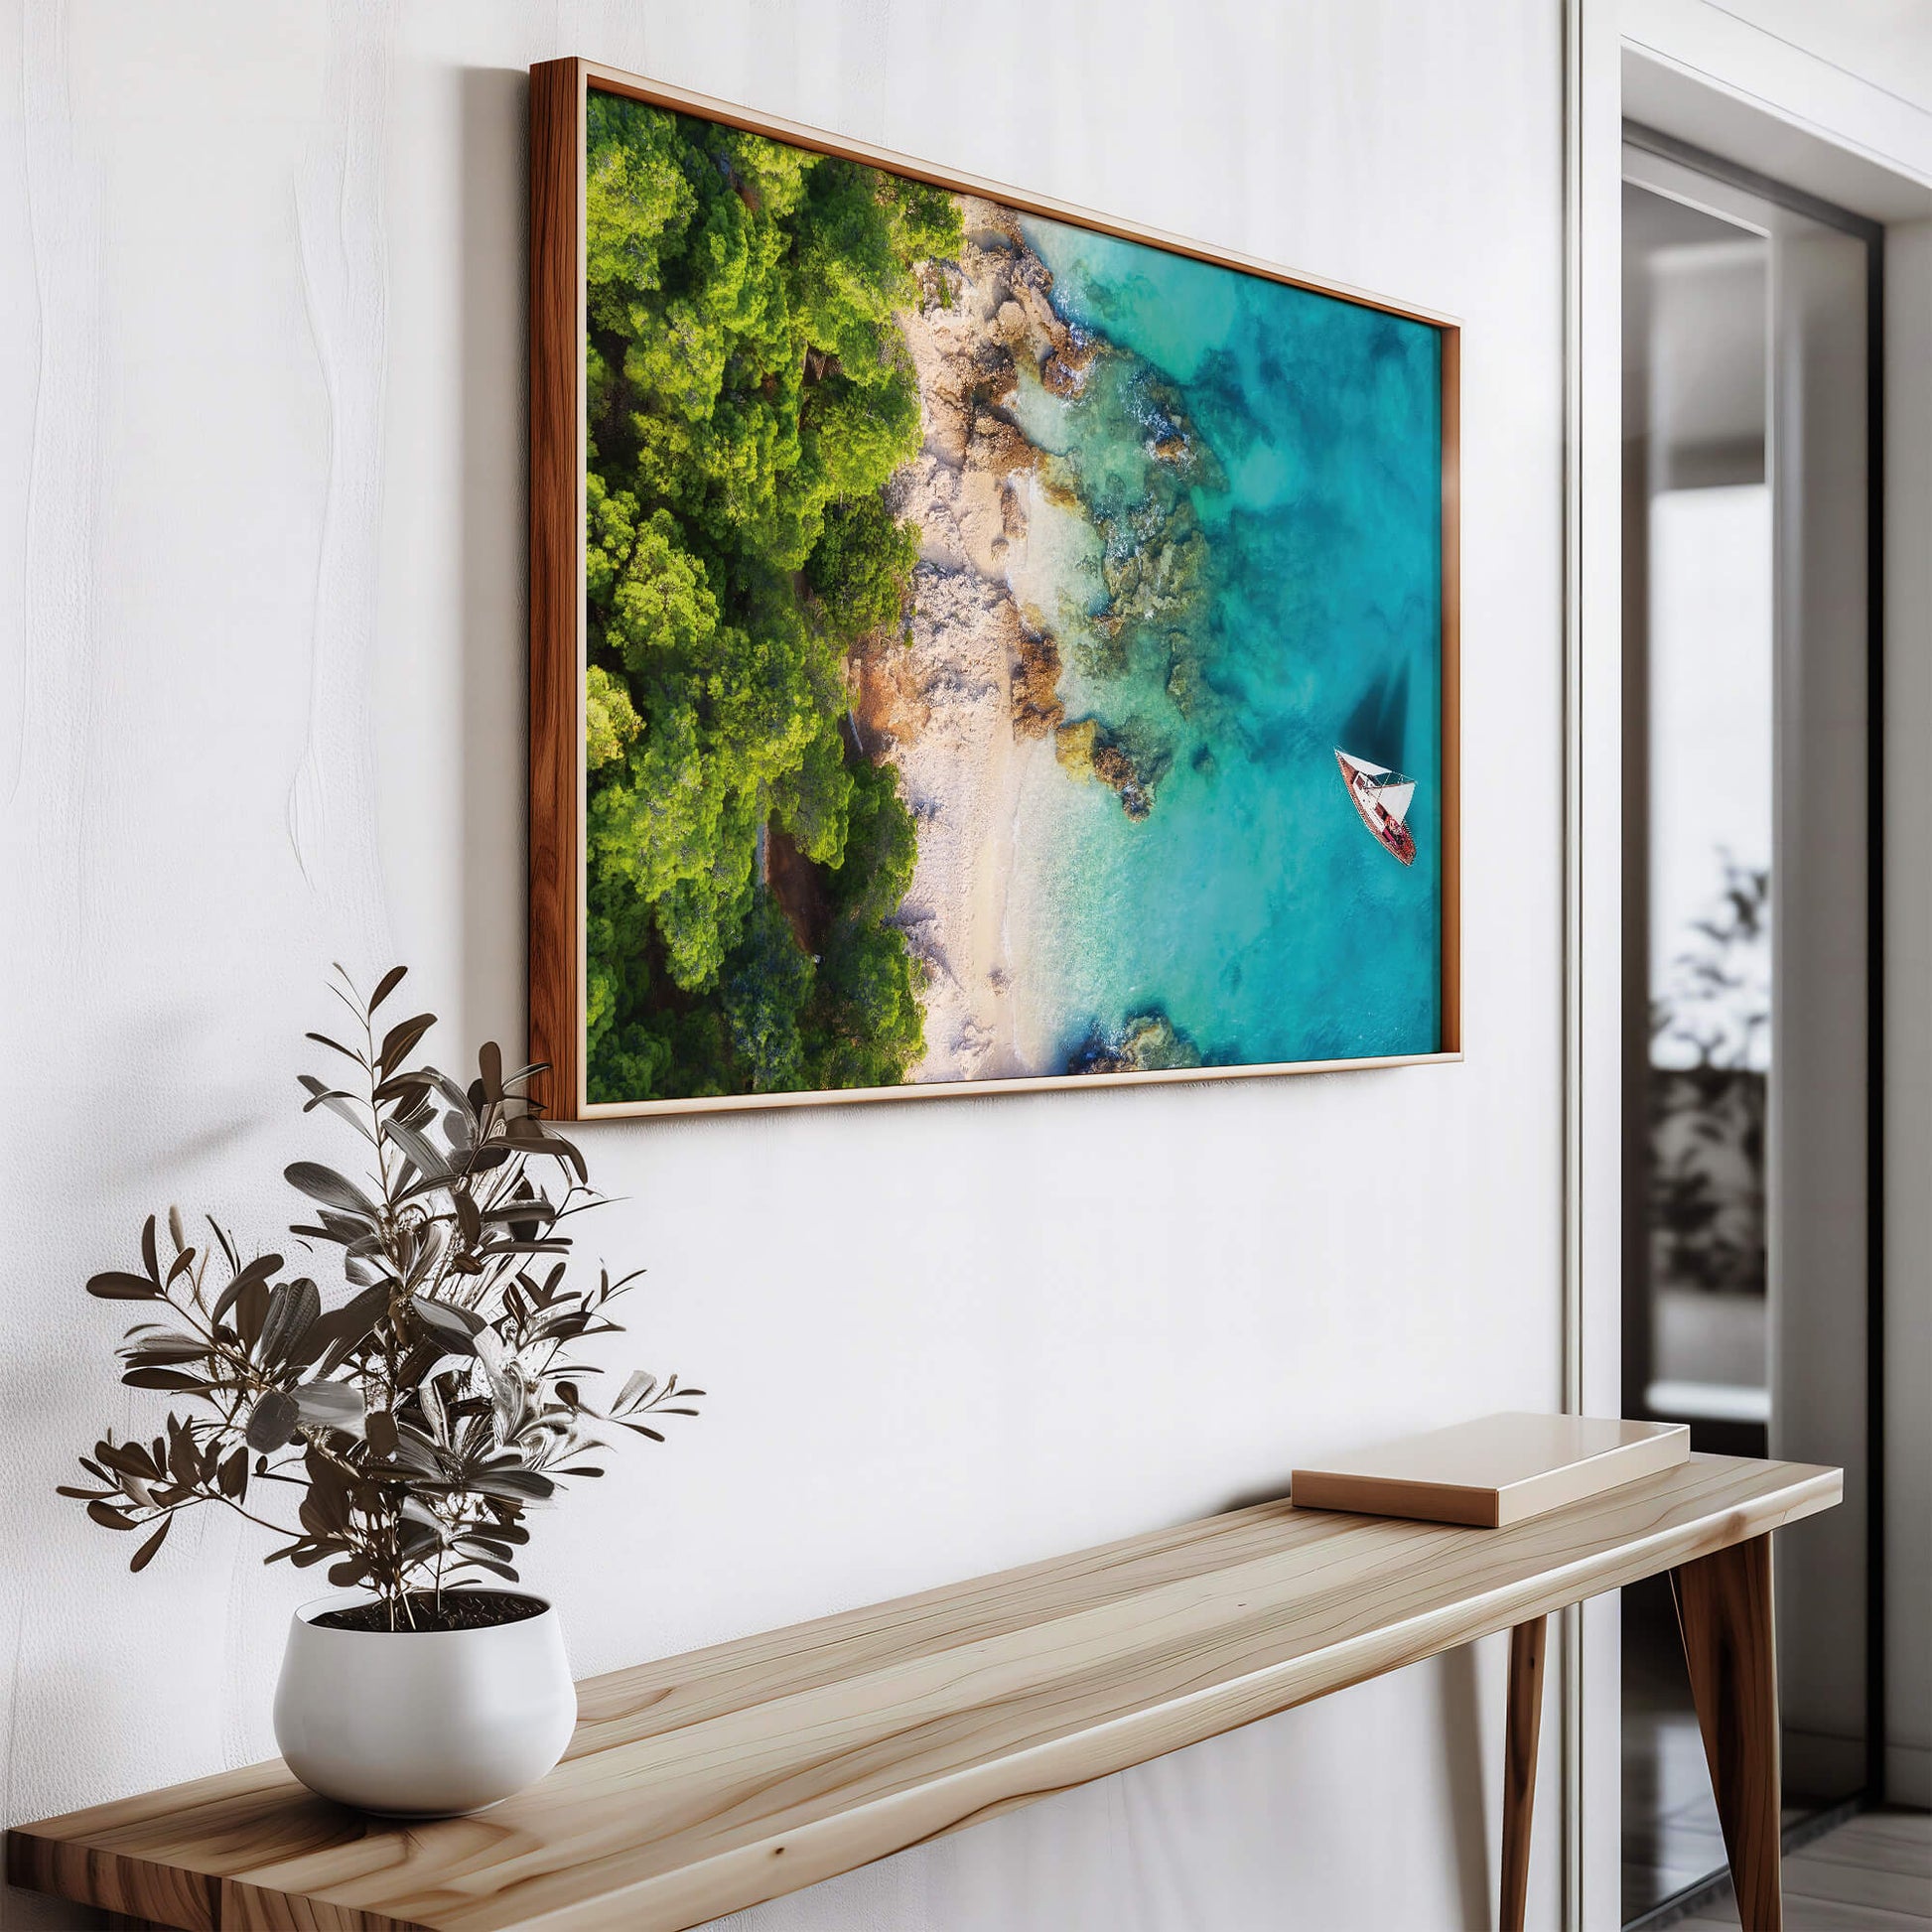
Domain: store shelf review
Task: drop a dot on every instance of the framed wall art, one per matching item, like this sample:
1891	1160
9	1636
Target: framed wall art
976	644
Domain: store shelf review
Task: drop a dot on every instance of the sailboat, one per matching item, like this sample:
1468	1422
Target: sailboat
1382	798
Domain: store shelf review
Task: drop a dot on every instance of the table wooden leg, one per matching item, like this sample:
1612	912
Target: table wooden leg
1723	1609
1524	1721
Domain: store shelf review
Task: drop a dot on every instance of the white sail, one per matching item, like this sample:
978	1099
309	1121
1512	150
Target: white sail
1394	798
1363	765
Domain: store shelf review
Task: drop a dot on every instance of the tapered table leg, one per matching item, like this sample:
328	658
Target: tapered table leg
1524	1722
1723	1609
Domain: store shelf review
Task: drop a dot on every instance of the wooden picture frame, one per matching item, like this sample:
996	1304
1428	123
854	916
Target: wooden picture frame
558	429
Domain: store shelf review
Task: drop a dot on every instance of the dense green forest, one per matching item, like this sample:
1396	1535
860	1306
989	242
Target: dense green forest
749	395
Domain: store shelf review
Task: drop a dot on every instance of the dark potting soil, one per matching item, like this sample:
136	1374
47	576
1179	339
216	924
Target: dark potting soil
463	1609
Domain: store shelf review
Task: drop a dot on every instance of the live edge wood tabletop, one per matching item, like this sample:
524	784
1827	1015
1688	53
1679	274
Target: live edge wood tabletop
702	1785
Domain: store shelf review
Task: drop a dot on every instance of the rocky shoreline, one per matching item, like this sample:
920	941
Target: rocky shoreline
971	691
970	700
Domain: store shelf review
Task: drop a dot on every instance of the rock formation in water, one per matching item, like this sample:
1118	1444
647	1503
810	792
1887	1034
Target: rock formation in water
1089	750
1037	705
982	321
1147	1043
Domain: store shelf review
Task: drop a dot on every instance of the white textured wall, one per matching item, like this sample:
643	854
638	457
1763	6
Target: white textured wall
261	590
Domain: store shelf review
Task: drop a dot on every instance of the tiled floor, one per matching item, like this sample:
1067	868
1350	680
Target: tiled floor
1873	1874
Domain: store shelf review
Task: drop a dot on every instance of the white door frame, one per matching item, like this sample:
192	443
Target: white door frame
1703	75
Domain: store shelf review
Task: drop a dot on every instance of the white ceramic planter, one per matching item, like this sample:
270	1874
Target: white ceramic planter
423	1724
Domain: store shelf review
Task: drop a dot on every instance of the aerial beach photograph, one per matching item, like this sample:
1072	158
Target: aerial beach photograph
1012	650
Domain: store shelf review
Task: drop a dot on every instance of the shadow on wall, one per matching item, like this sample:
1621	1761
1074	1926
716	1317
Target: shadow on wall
494	484
1458	1698
1461	1735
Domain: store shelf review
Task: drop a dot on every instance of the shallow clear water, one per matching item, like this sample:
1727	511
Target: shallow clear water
1251	906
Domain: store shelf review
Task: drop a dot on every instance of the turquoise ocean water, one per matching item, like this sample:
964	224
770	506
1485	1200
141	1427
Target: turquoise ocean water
1251	906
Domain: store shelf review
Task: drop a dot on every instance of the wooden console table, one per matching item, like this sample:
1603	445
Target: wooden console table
701	1784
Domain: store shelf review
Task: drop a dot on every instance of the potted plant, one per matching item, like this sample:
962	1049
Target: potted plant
412	1427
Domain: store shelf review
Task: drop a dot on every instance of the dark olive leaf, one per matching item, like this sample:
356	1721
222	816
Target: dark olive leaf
387	985
415	1544
481	1546
251	1312
346	1231
457	1327
490	1481
415	1510
502	1570
232	1475
399	1042
324	1511
292	1308
568	1150
379	1432
145	1554
165	1350
489	1063
469	1218
410	1090
345	1106
128	1460
114	1286
274	1421
148	1254
182	1262
259	1269
228	1246
182	1462
322	1040
428	1161
83	1495
343	1330
111	1518
324	1184
320	1092
175	1381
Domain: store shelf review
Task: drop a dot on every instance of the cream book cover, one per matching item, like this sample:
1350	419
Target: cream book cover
1496	1469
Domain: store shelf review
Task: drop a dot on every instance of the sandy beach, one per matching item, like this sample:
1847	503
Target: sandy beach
967	704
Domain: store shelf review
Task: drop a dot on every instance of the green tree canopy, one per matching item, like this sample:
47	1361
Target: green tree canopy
750	396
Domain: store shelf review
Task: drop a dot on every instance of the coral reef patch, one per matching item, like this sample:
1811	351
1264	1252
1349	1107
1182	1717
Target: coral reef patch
1149	1042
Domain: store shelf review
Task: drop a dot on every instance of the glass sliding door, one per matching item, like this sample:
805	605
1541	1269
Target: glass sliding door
1747	783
